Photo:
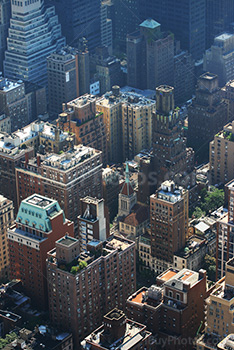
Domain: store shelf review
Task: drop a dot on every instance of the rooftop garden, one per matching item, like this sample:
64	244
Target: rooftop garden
74	267
228	136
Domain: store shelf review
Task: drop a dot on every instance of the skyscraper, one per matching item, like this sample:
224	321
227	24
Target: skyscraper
150	53
169	145
79	19
207	114
5	14
186	19
219	16
34	33
62	78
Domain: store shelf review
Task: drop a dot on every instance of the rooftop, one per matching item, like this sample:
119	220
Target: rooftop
134	334
8	85
168	274
223	37
150	23
67	241
70	158
36	211
227	343
139	214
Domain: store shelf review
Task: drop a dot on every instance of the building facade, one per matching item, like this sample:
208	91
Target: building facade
101	278
207	114
222	155
6	220
173	309
66	177
5	15
185	19
150	56
81	118
220	57
93	221
39	223
225	234
117	329
169	223
62	78
14	103
218	312
25	58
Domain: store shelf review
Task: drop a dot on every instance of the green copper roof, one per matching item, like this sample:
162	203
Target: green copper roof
37	211
150	23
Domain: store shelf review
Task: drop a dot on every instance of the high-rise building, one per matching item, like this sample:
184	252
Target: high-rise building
6	220
5	15
93	221
219	16
225	234
126	19
66	177
184	76
83	67
173	309
79	20
34	33
40	222
106	28
5	124
207	115
10	157
107	69
222	156
169	144
62	78
14	103
186	19
81	118
169	223
128	120
219	315
219	59
112	114
83	288
150	54
227	94
117	329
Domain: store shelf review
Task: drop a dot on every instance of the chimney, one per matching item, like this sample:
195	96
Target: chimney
38	160
26	160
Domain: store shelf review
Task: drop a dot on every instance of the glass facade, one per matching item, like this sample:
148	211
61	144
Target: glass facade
34	33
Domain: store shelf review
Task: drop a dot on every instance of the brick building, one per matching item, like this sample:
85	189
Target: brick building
39	223
173	309
83	288
66	177
169	223
219	311
117	331
6	220
81	118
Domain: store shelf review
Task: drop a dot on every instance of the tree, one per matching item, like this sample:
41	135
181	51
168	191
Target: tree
198	212
213	200
210	266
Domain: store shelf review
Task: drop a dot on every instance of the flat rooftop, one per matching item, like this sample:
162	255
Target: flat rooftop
39	201
167	275
67	241
134	334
